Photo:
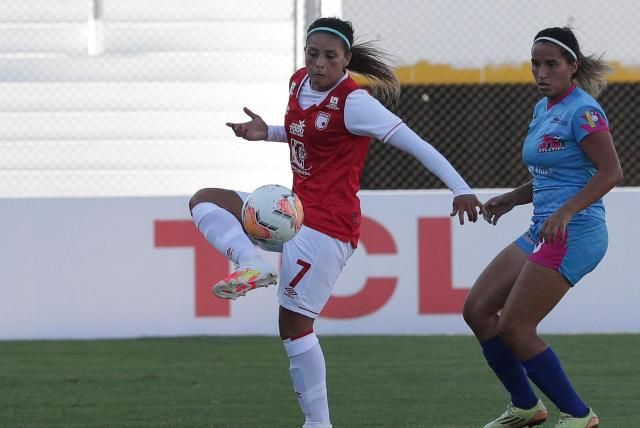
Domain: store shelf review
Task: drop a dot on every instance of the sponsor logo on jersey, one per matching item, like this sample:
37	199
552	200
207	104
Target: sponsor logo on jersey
292	88
322	120
333	103
298	157
595	122
559	120
297	128
540	170
551	143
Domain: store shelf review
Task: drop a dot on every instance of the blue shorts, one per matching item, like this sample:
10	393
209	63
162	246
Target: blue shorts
578	254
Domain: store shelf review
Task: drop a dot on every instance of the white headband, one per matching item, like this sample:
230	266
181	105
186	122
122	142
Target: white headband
559	43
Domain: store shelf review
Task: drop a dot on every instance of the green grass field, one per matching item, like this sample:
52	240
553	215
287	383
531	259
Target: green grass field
382	381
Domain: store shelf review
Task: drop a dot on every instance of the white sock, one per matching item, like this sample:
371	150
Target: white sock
222	230
309	377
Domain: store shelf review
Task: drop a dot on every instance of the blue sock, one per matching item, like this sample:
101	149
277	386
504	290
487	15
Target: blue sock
510	372
546	372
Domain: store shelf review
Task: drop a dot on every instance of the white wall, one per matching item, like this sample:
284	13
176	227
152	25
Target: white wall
126	267
146	116
468	33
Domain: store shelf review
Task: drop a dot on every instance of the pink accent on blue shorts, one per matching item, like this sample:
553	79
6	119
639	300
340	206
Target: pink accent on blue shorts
584	246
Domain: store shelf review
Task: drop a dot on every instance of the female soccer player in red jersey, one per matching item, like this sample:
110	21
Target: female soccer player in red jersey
328	125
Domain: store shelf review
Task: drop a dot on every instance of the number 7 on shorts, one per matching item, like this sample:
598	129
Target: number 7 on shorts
305	268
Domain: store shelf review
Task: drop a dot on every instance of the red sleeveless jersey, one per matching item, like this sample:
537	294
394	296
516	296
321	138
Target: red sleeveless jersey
327	161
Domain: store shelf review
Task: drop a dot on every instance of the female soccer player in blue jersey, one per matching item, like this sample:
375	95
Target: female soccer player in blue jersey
573	163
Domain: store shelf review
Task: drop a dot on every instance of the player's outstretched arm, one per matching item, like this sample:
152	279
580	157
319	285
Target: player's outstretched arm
254	130
364	115
464	200
497	206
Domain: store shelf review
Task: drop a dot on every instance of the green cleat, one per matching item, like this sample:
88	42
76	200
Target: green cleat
568	421
516	417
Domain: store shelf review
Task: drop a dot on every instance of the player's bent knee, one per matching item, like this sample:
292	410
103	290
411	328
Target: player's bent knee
224	198
468	313
197	198
475	314
509	330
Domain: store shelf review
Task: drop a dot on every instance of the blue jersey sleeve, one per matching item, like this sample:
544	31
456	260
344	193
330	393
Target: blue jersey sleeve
587	120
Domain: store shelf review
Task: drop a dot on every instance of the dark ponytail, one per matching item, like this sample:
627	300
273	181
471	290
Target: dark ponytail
373	63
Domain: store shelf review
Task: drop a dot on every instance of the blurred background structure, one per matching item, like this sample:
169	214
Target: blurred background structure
120	97
467	85
130	97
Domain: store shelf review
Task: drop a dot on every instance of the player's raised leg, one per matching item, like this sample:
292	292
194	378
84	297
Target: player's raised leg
216	213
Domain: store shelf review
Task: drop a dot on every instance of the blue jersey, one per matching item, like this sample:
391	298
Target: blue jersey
552	151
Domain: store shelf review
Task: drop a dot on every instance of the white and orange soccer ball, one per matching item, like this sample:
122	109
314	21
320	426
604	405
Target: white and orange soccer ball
272	215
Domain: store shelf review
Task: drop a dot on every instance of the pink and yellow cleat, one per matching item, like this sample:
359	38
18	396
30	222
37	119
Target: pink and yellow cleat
241	281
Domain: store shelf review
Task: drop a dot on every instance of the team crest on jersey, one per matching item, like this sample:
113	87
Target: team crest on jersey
298	158
297	128
292	88
595	122
333	103
551	143
322	120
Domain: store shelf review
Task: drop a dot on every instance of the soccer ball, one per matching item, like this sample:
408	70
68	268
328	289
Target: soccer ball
272	215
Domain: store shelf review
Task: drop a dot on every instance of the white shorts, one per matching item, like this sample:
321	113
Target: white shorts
311	264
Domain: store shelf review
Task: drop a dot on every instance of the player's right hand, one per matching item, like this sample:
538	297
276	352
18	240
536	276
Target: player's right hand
469	204
254	130
496	207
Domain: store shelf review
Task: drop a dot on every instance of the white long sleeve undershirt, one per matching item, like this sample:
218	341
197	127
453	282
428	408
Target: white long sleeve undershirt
276	133
409	142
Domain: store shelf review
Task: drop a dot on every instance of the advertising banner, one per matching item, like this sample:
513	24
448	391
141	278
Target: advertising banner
135	267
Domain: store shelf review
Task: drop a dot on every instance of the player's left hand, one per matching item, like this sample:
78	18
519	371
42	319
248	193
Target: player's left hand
466	204
254	130
554	227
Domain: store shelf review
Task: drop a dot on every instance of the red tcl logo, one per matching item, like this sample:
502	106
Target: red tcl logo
436	294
